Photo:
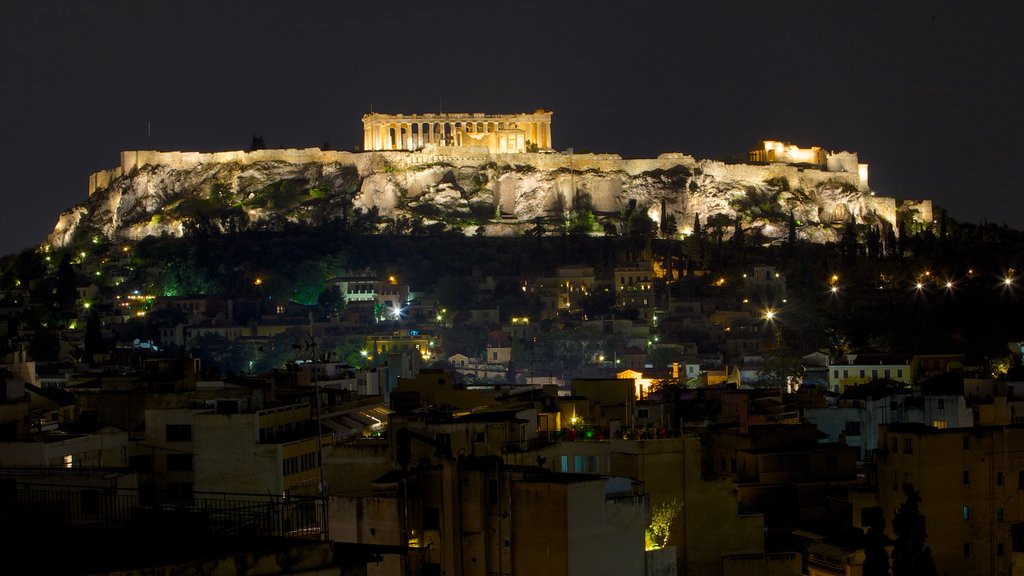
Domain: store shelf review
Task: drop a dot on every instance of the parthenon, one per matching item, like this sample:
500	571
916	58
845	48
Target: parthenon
500	133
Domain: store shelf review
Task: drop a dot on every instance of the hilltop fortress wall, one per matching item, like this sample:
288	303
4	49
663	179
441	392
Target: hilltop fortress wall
472	156
602	178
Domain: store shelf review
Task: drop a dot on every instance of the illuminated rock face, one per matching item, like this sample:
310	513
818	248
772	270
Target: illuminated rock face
473	187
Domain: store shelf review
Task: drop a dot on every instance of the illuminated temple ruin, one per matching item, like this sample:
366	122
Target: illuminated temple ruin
499	133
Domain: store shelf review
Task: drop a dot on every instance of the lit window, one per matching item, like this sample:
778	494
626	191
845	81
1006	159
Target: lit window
967	512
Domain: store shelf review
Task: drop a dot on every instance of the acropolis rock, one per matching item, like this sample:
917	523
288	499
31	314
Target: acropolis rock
500	172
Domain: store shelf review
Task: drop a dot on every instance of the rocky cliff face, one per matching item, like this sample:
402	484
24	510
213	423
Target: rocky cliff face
464	189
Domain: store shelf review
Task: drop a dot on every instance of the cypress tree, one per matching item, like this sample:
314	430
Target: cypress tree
910	555
876	557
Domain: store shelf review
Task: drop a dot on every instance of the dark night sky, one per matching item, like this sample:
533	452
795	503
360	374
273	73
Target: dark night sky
927	92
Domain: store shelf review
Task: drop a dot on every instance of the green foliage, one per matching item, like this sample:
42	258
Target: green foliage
778	182
319	191
660	528
779	370
580	221
280	195
67	290
756	204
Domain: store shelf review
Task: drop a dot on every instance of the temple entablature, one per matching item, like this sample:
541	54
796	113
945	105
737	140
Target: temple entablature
499	133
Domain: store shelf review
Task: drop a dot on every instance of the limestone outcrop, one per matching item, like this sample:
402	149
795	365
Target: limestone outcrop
175	193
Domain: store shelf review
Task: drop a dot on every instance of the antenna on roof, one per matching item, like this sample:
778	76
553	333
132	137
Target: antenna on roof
439	109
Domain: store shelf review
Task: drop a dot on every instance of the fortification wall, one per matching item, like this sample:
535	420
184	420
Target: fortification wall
177	160
885	207
924	208
798	177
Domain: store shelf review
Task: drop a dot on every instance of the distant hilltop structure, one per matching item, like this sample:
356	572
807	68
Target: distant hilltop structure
500	133
784	152
491	174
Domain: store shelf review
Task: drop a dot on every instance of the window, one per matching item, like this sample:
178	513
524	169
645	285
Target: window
967	549
908	446
967	512
895	445
999	478
431	518
585	464
999	550
142	463
479	437
861	373
967	477
179	462
835	373
874	374
999	514
853	428
941	404
899	373
887	374
179	432
846	373
967	442
565	463
940	424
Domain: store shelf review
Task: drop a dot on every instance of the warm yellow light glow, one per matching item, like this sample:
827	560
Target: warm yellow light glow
835	289
769	314
919	286
258	281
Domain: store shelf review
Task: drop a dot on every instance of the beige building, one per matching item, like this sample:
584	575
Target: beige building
224	449
971	483
634	288
711	538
